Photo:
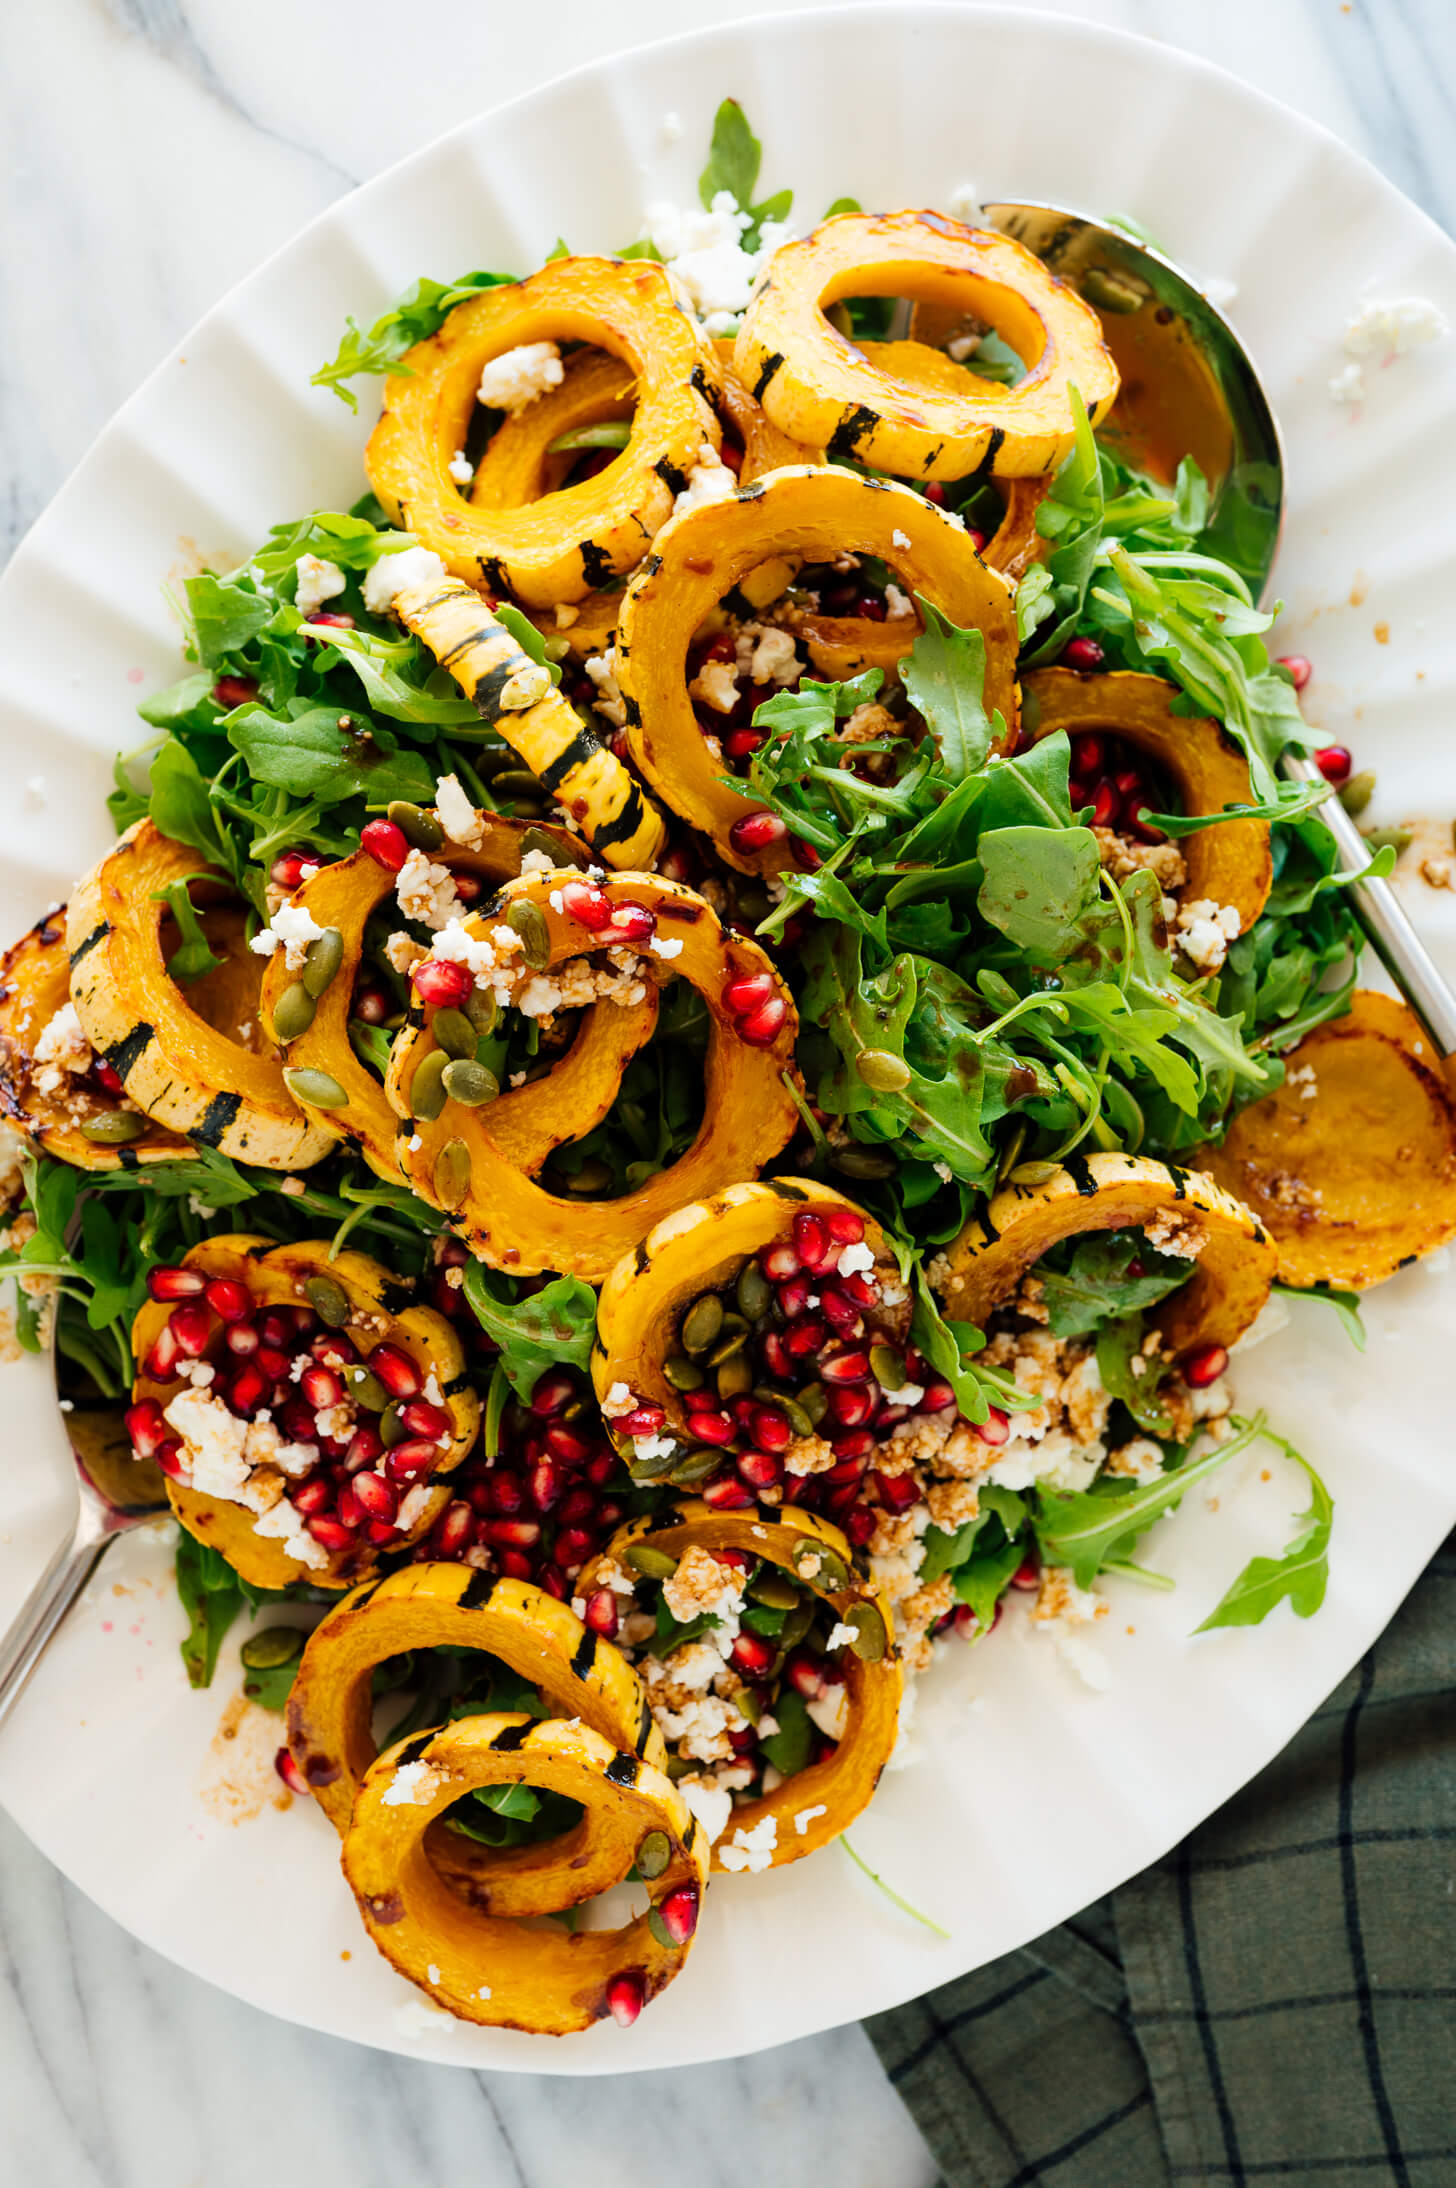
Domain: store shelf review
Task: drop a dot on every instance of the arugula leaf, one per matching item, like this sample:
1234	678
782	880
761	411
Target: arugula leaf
225	616
1345	1304
554	1327
1084	1531
1039	885
524	631
984	1580
183	809
384	665
1105	1274
944	676
1299	1575
192	958
420	312
304	750
212	1597
1131	1375
789	1748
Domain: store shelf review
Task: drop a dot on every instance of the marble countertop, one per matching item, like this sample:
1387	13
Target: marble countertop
153	152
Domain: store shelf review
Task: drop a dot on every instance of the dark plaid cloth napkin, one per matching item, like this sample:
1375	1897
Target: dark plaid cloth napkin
1275	2001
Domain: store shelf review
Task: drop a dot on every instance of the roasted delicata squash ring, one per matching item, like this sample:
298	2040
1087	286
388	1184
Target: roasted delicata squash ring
430	1606
1351	1164
485	1967
378	1314
819	387
697	1249
35	985
1112	1192
514	694
702	555
518	465
342	896
1230	864
843	1783
749	1113
764	447
175	1050
562	546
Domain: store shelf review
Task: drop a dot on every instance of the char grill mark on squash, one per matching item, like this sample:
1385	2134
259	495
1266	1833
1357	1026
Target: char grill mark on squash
623	1769
596	563
771	365
851	430
124	1055
512	1737
413	1749
220	1115
671	477
585	1655
98	934
644	1726
576	754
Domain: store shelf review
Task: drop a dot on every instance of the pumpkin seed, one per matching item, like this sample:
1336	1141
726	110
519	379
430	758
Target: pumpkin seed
416	825
1033	1173
796	1417
882	1069
863	1162
887	1367
321	960
391	1428
1358	791
1113	292
366	1389
661	1931
1378	838
679	1766
735	1377
753	1291
731	1342
452	1174
775	1589
698	1464
294	1013
483	1011
317	1088
796	1625
814	1400
831	1570
527	809
870	1641
469	1084
702	1322
454	1032
330	1301
113	1128
274	1647
646	1470
652	1564
529	922
749	1703
427	1087
516	782
682	1373
524	688
539	839
653	1854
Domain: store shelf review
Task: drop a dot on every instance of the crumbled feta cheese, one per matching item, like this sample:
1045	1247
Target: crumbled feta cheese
705	258
413	1785
751	1849
513	381
485	1992
963	203
1348	384
900	539
654	1447
294	927
962	346
413	1505
1389	327
458	946
456	814
318	581
619	1399
460	468
767	654
943	1171
403	952
609	703
803	1817
425	892
897	603
716	686
285	1523
433	1972
710	1803
1205	930
409	569
709	480
842	1637
856	1260
61	1049
703	1586
214	1439
538	862
668	949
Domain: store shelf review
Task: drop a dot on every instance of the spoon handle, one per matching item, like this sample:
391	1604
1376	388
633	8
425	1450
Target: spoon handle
1392	937
34	1624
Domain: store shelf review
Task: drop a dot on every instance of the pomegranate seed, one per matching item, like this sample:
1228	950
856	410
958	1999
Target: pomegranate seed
937	1397
247	1389
441	981
743	996
847	1473
741	744
760	1469
190	1325
806	1337
846	1367
313	1495
169	1458
296	1418
348	1510
779	1263
286	872
1082	653
321	1387
757	831
108	1077
714	1428
752	1654
844	1226
645	1420
505	1491
851	1449
805	1675
1105	804
275	1328
776	1357
334	1534
840	1311
679	1913
430	1421
762	1027
1299	667
273	1362
291	1775
228	1300
1027	1575
579	1505
339	619
455	1528
514	1564
859	1525
363	1448
371	1005
601	1612
1334	763
234	691
793	1298
1205	1366
897	1492
546	1486
601	1466
588	905
379	1531
146	1428
553	1582
385	844
840	1496
176	1283
700	1401
771	1429
610	1513
626	1996
996	1428
396	1370
934	493
725	1494
631	922
511	1534
552	1392
565	1444
573	1544
744	1741
378	1498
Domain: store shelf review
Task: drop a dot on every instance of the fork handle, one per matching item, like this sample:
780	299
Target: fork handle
34	1624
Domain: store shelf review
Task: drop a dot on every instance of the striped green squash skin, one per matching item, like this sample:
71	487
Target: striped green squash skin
179	1068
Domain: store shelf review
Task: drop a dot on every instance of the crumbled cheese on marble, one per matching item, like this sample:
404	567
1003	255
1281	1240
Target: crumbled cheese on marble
457	816
705	258
294	927
1062	1609
709	480
711	1803
1348	384
513	381
1205	930
410	569
460	468
1389	327
716	686
413	1785
318	581
426	892
856	1259
751	1849
803	1817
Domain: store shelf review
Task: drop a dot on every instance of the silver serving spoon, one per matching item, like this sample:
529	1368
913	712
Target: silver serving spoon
117	1491
1189	387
